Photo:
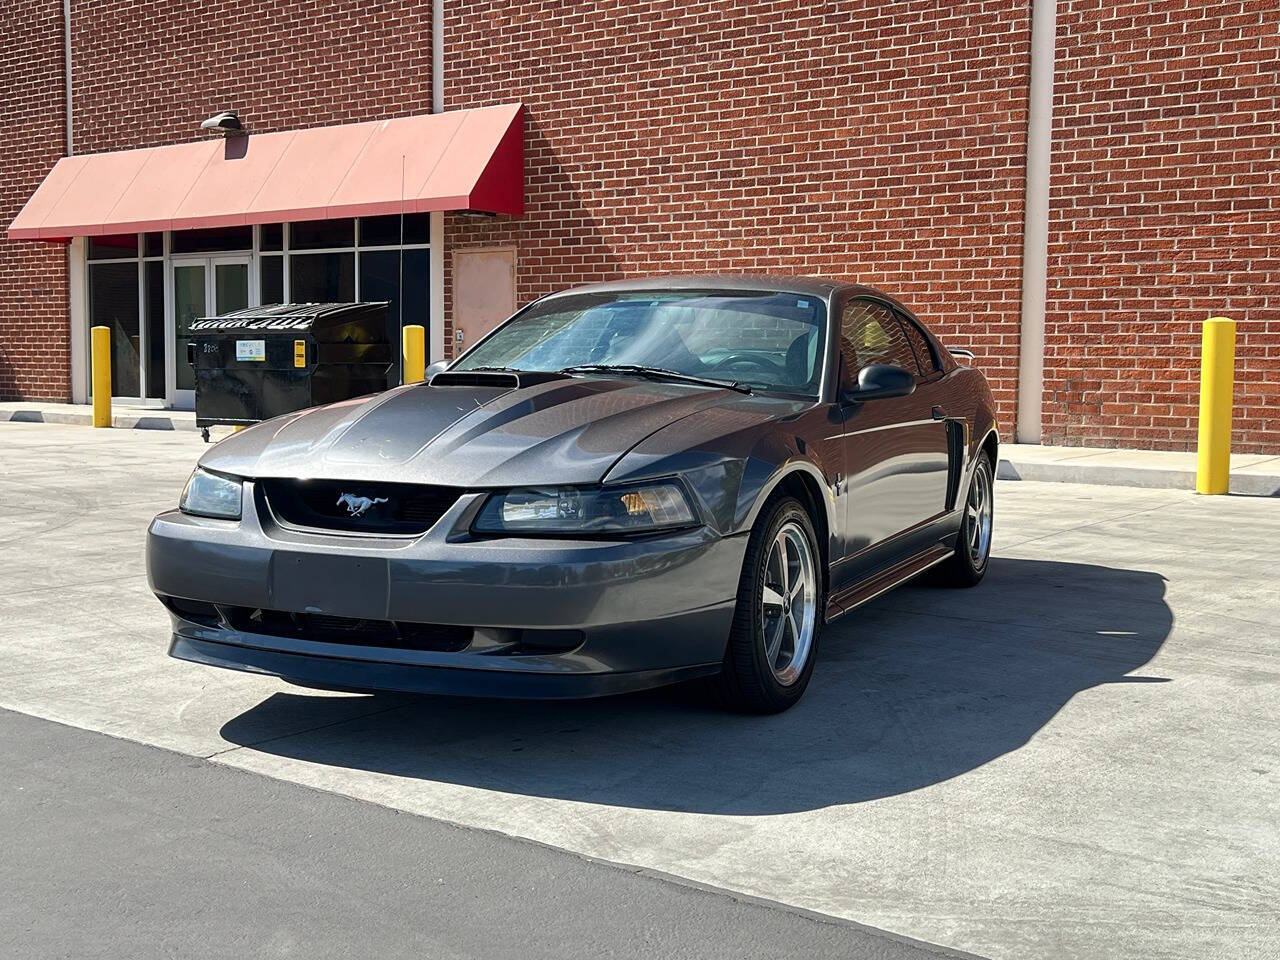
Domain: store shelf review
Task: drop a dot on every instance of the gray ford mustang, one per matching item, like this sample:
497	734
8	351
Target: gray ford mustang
624	485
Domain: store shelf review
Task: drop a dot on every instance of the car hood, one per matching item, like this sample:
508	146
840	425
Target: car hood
563	431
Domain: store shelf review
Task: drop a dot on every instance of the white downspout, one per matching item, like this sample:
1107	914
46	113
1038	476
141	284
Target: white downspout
77	283
437	56
435	335
1035	235
66	57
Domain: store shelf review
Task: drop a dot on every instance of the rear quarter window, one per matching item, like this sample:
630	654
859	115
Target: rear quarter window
920	346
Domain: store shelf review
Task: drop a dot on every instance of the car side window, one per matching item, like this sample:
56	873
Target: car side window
870	333
920	344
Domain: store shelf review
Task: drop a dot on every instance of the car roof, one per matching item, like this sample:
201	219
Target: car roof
813	286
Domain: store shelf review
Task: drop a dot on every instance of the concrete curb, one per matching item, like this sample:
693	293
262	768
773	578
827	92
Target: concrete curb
160	420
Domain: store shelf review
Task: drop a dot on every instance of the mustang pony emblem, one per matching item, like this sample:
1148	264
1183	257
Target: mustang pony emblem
358	505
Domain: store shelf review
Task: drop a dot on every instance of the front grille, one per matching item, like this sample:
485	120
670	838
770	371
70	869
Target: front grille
394	634
357	506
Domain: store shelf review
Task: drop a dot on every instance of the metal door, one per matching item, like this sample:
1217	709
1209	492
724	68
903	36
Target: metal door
484	293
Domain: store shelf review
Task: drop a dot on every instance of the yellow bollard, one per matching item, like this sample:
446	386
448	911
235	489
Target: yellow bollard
100	364
415	353
1217	375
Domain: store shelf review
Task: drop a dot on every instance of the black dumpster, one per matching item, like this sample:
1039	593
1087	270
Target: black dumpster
254	364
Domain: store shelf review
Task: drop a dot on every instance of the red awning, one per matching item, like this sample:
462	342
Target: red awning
462	160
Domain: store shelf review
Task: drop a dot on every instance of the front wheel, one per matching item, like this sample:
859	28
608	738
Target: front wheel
779	614
967	566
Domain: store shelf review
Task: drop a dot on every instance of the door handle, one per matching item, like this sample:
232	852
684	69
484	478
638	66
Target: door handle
939	413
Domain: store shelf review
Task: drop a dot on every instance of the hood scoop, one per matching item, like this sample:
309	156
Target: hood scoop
510	380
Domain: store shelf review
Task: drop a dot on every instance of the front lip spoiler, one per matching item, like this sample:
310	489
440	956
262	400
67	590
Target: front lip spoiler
332	673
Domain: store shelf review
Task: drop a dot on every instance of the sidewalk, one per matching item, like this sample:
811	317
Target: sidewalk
1251	474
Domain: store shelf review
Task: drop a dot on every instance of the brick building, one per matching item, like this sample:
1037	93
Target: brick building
1066	187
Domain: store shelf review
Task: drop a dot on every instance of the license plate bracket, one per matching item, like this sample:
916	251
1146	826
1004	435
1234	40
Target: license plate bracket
340	586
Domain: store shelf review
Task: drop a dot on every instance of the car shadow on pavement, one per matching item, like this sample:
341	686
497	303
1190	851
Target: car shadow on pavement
916	688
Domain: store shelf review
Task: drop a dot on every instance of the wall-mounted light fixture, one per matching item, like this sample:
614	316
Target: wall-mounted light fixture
225	123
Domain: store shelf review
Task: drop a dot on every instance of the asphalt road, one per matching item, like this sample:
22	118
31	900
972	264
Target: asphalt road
1078	759
114	849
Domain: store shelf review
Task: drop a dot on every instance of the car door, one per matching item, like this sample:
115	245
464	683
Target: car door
933	387
896	452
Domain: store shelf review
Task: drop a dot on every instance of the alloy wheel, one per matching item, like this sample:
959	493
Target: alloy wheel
789	603
979	510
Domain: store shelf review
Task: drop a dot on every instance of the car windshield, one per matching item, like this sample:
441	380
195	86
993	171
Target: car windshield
766	340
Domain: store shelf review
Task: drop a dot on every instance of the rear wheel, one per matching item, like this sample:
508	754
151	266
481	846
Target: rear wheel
779	615
967	566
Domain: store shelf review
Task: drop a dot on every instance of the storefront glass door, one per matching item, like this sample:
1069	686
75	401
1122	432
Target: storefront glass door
202	287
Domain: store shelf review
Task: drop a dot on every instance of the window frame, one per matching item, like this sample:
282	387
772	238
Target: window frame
139	259
287	252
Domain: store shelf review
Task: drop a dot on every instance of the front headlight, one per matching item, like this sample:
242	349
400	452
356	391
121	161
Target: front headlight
211	495
571	510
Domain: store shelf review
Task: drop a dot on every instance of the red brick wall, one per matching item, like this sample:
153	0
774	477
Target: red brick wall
1165	210
882	141
146	73
35	357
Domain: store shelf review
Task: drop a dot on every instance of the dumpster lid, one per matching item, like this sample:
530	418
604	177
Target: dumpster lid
290	317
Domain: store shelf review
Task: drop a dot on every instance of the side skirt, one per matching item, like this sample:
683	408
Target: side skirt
872	587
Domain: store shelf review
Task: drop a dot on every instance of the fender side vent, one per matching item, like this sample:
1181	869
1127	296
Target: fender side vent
955	461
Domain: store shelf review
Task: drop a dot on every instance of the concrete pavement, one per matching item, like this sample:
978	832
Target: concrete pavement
1077	759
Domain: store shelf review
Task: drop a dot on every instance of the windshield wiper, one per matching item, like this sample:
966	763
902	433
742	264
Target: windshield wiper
656	373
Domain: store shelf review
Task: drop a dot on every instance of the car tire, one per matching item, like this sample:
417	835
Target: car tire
968	564
774	639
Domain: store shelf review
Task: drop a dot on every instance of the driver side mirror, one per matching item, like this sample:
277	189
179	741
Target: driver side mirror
877	381
440	366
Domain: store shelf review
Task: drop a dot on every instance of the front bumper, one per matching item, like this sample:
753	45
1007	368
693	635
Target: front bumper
643	612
